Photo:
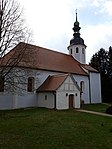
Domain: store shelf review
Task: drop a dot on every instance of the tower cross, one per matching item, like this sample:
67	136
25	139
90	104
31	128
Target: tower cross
76	15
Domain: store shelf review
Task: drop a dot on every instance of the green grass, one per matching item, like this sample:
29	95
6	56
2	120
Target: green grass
96	107
51	129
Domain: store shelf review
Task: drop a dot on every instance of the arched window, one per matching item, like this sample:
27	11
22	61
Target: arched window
82	86
71	51
2	84
82	50
30	85
77	50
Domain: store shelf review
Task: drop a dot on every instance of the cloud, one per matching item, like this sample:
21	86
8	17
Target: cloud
52	22
97	37
102	6
107	7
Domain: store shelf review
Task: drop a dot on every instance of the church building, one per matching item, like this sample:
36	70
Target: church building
50	79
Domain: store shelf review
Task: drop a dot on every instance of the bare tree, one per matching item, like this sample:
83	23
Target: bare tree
12	28
12	31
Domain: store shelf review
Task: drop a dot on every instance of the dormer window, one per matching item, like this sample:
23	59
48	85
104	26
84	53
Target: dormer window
77	50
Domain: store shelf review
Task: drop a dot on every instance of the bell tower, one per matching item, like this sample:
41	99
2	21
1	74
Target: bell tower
77	46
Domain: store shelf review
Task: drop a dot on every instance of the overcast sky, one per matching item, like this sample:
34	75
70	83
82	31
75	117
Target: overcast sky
51	22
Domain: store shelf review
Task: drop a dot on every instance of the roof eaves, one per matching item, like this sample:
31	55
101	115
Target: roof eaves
75	83
90	69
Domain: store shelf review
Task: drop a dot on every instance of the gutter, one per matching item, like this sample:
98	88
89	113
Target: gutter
89	88
54	93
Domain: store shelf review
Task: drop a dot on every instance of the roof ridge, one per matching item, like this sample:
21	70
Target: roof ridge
52	50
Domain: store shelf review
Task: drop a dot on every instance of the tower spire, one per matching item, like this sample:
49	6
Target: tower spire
77	46
76	27
76	15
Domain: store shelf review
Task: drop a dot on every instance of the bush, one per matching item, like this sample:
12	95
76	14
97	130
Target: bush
109	110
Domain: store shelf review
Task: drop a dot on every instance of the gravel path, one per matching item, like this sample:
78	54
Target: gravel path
93	112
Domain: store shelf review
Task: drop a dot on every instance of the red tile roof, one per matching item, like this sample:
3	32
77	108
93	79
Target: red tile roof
52	83
89	68
41	58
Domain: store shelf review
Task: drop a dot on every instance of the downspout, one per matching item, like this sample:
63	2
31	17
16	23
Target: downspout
89	88
54	93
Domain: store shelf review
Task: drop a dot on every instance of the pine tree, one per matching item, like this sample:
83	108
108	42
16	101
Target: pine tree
110	62
102	61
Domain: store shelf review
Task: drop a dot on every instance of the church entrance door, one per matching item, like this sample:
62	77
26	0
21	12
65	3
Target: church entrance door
71	101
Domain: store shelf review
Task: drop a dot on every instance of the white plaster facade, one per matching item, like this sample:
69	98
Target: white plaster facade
46	99
21	98
95	88
60	98
79	55
85	94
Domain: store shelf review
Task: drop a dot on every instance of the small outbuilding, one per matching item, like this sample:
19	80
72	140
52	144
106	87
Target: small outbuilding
59	92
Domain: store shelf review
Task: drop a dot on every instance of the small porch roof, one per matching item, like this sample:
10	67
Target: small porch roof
52	83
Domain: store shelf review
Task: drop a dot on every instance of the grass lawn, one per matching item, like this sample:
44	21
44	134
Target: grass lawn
96	107
51	129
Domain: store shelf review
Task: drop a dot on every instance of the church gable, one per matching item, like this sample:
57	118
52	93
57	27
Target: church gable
59	83
69	85
52	83
58	90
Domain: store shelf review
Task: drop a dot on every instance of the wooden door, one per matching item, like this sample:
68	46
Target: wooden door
71	101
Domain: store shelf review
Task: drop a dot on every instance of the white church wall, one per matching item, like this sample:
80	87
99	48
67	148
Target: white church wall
61	100
95	87
17	96
6	101
77	100
21	82
80	55
62	95
85	94
14	101
24	98
46	99
42	76
25	101
39	77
